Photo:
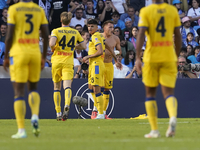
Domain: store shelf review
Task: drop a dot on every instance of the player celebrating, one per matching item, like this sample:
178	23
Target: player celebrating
63	42
22	40
113	42
159	21
96	65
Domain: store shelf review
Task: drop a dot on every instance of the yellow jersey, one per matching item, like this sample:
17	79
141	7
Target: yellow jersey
27	17
160	21
65	44
96	39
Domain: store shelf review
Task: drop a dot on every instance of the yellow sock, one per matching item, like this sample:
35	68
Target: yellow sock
106	97
57	100
171	104
95	100
99	98
68	95
152	110
20	111
34	102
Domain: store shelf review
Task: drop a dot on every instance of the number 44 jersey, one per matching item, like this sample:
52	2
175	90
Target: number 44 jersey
27	19
67	38
160	21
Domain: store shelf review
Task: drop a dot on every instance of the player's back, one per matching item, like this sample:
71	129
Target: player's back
67	39
27	18
96	39
161	20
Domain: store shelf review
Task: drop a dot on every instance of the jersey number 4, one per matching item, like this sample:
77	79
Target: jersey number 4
161	26
69	44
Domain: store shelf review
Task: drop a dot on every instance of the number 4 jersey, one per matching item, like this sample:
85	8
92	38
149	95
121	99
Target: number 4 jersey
65	44
160	21
27	17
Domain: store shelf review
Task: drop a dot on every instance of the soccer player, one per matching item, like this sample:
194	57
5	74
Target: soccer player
63	42
113	42
24	60
159	22
96	65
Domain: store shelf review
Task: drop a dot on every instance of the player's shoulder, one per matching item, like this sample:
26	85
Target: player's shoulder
115	37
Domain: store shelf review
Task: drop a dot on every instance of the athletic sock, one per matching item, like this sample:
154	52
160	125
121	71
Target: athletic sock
68	95
106	96
57	100
171	104
99	98
34	102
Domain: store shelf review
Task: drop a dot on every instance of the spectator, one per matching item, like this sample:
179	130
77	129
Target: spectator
177	4
130	14
13	2
118	6
183	52
46	5
90	12
117	72
79	54
3	4
129	59
78	19
190	40
193	56
58	6
117	21
100	7
86	37
79	28
126	33
133	39
3	29
189	50
4	16
117	31
137	5
181	73
2	51
186	28
194	14
132	74
107	12
125	46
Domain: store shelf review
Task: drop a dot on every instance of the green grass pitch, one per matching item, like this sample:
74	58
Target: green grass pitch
115	134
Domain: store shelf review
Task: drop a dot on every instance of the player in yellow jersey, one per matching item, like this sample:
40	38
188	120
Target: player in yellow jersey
159	22
96	65
63	42
24	60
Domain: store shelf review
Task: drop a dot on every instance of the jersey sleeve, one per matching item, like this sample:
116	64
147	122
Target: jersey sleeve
96	39
177	22
54	33
44	19
79	38
143	21
11	16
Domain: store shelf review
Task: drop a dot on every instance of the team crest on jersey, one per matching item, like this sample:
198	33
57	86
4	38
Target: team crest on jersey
96	39
83	91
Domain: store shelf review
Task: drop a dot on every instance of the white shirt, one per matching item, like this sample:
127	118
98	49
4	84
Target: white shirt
119	5
191	12
188	30
76	62
75	21
148	2
120	73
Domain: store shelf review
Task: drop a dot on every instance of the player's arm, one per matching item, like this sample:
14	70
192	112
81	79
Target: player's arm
98	53
52	43
8	43
178	41
81	46
72	4
45	35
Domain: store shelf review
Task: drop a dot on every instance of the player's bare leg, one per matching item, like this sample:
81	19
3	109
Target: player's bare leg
171	104
34	103
19	109
68	95
152	110
57	100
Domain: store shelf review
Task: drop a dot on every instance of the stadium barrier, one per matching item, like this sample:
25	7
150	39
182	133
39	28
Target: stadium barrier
126	99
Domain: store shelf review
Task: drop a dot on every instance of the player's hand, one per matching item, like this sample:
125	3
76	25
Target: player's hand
85	58
138	65
42	63
6	64
119	65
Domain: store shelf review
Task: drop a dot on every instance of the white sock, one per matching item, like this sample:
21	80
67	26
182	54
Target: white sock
34	117
104	112
59	114
95	108
21	130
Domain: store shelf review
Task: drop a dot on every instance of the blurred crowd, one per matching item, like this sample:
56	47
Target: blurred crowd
125	15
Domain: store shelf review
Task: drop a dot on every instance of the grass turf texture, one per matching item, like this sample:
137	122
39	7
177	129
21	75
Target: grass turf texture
115	134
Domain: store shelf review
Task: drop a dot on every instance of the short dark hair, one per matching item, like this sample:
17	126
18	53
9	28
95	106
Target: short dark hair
115	13
107	22
83	32
5	8
183	49
79	9
90	1
78	25
121	38
4	24
93	21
